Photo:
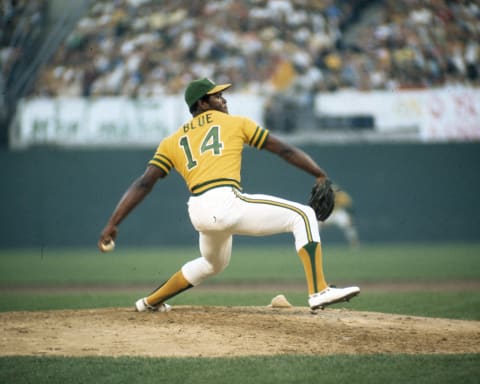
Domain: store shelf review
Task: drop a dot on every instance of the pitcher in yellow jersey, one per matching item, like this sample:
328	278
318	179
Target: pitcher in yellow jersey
207	152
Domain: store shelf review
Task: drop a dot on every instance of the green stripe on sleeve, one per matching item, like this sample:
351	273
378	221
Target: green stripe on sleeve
254	136
165	159
260	139
160	164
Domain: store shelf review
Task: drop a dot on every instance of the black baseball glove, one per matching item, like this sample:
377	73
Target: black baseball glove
322	199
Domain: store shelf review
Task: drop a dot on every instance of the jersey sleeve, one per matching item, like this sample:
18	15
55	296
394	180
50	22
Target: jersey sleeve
161	158
254	134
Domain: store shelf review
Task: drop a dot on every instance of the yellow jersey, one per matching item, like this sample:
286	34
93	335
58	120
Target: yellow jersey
207	150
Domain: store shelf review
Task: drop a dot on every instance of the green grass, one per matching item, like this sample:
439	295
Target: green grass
57	268
149	267
276	370
54	268
260	264
453	305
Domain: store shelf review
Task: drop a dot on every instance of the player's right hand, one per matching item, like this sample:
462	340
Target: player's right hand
108	234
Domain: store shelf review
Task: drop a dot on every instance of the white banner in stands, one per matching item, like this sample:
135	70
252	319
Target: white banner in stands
392	111
451	115
108	122
105	122
432	115
437	115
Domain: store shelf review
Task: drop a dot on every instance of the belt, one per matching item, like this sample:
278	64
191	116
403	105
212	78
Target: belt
198	189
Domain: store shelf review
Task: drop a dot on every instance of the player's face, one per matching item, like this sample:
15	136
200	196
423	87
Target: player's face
218	102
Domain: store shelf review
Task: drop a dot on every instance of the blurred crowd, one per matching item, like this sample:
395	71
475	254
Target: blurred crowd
146	48
142	48
22	23
415	44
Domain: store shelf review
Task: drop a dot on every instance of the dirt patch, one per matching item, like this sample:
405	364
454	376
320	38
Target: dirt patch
230	331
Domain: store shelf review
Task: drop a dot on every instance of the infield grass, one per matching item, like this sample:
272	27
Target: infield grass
377	263
392	369
453	305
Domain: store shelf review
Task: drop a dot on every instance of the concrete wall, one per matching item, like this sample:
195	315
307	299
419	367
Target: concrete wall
409	192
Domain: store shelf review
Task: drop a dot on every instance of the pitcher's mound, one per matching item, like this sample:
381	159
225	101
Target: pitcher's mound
230	331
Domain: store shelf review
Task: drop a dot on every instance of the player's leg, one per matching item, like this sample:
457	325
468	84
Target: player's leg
311	257
350	230
343	220
225	210
176	284
266	215
352	235
216	249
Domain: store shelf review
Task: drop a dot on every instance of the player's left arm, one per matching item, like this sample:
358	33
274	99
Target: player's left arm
294	156
134	195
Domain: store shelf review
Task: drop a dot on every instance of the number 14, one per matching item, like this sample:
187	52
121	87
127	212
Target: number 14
211	142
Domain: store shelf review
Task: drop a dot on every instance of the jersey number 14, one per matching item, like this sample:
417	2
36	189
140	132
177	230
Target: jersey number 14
210	142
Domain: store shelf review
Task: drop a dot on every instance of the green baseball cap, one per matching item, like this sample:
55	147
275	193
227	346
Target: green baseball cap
201	87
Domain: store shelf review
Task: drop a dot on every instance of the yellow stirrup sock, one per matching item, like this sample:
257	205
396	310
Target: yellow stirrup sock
311	256
173	286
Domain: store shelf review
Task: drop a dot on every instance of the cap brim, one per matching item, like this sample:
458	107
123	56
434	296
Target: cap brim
218	88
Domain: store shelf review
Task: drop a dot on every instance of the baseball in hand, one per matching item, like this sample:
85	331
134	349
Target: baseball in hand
108	247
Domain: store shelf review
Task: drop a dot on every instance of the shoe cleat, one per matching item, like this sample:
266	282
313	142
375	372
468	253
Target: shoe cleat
331	295
142	306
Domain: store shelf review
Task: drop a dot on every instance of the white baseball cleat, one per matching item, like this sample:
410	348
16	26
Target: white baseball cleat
142	306
331	295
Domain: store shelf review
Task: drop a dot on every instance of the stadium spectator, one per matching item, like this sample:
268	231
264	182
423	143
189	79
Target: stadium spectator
130	42
22	24
148	48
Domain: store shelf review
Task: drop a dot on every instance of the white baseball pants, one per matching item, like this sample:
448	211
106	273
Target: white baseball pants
222	212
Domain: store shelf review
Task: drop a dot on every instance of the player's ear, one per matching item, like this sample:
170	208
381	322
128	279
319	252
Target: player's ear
203	104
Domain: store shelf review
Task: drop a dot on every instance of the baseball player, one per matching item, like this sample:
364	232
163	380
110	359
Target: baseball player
207	152
342	217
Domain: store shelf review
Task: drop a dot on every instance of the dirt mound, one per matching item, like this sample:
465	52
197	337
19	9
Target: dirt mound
230	331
